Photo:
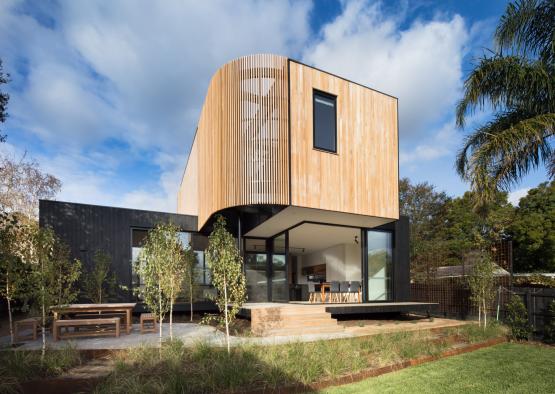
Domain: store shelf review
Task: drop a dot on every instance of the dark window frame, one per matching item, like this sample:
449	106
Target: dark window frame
333	97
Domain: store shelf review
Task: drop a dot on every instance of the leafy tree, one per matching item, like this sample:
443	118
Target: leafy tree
64	273
14	274
22	184
518	82
4	98
517	318
425	208
481	284
174	267
226	268
533	230
189	263
100	281
465	229
161	254
52	273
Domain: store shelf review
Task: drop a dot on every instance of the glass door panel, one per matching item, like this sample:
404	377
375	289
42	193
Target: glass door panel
380	257
279	279
257	276
279	283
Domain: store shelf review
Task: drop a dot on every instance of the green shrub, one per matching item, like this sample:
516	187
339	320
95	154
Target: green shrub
549	326
517	319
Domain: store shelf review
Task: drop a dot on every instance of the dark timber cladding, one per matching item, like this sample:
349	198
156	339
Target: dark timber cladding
88	228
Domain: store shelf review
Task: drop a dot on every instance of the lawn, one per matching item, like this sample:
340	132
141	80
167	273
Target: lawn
505	368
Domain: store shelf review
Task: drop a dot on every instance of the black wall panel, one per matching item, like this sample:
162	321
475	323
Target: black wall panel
88	228
401	258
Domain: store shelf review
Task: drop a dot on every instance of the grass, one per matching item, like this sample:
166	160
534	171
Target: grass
17	366
505	368
203	368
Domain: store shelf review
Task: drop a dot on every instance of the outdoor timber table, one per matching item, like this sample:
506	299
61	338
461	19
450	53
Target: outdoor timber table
95	308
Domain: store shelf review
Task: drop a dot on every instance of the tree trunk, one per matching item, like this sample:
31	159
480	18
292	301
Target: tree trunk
10	319
485	315
479	314
160	317
225	315
8	299
171	314
43	315
191	298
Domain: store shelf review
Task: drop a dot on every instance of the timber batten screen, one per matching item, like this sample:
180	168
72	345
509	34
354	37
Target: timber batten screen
242	136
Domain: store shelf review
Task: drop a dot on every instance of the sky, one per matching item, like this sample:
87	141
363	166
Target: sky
106	95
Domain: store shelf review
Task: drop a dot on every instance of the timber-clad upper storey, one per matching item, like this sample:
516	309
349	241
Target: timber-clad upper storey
254	143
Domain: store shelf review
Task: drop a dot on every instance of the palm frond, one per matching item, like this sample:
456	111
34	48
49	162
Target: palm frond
482	135
496	156
508	82
528	28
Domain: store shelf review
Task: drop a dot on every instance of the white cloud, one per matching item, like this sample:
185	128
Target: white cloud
515	196
421	64
440	144
88	76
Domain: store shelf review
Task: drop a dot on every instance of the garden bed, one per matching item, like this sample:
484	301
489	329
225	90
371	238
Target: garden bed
300	366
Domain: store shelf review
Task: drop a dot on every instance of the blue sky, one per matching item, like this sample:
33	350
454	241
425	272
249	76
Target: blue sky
106	95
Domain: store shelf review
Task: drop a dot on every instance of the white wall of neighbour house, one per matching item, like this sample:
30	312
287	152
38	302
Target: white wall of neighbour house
342	263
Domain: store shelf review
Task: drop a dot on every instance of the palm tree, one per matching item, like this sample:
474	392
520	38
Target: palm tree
517	81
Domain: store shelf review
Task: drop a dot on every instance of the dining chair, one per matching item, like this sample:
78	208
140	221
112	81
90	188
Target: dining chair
335	292
312	293
355	290
344	290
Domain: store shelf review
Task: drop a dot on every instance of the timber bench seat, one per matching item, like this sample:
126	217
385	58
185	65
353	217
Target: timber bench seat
31	323
85	323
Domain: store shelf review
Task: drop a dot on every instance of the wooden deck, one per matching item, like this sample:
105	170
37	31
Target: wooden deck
299	318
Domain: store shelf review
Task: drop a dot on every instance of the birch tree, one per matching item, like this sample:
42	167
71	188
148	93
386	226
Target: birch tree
151	268
14	274
99	282
173	267
53	274
189	262
226	268
481	284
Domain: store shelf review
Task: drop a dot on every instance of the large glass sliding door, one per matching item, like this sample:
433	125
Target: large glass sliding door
256	265
380	258
278	278
266	269
256	270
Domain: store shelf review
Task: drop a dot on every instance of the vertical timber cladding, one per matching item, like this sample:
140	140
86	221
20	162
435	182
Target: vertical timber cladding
362	177
243	136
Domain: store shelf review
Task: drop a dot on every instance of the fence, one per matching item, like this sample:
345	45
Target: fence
453	295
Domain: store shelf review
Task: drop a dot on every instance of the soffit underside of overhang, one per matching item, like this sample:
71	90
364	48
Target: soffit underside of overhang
293	215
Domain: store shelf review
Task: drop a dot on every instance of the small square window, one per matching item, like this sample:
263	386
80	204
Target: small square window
325	121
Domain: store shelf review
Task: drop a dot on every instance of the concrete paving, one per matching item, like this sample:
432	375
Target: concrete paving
191	333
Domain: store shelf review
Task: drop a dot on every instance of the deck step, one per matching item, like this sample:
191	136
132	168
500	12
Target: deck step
293	320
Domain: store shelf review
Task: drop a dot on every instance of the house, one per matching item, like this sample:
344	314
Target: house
303	164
